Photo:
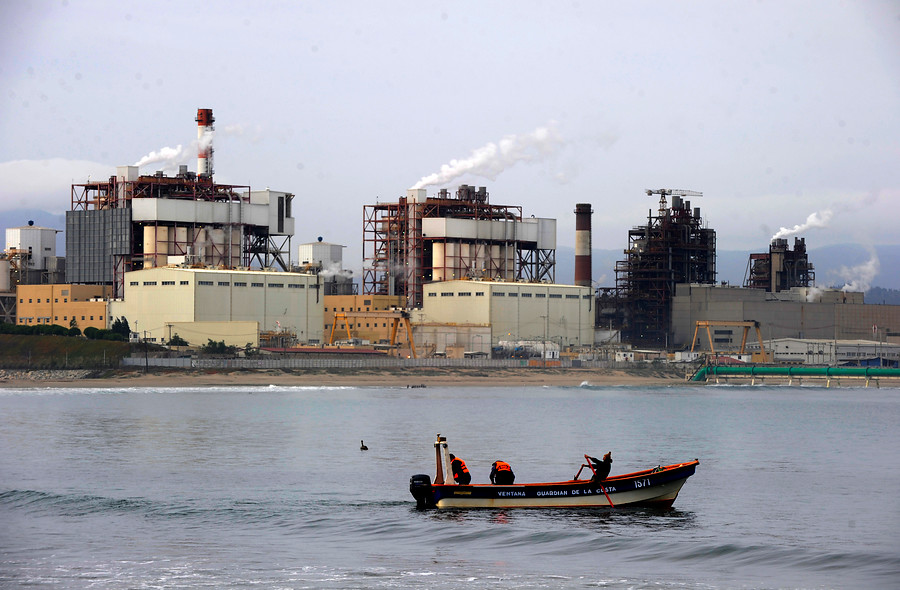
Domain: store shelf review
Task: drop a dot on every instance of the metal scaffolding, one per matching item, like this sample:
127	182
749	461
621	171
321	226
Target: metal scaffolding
780	268
103	241
400	256
671	248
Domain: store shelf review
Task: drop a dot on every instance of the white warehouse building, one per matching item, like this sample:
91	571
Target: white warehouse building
478	315
233	306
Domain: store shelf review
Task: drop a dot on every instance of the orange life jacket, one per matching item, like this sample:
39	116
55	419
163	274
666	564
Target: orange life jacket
502	466
461	465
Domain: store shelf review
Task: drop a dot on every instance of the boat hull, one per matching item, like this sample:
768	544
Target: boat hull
656	488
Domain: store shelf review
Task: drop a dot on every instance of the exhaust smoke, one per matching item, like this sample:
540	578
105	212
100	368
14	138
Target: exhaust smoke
490	160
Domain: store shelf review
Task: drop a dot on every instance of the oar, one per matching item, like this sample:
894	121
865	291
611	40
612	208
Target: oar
611	505
594	471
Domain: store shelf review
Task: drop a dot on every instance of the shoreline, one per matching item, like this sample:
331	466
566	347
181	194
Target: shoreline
403	377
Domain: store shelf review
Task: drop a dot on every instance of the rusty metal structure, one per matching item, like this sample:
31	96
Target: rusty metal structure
132	221
420	239
673	247
780	268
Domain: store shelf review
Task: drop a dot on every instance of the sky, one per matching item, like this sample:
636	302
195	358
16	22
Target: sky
785	114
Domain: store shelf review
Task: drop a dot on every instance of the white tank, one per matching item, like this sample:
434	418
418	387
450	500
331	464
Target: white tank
4	275
437	261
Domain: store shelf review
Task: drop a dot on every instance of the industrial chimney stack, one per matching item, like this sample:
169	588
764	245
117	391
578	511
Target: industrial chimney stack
205	122
583	244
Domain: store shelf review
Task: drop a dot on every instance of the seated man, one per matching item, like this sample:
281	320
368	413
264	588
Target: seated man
460	472
601	468
502	473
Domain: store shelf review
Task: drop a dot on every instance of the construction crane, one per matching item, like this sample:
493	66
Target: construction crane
662	192
745	325
396	316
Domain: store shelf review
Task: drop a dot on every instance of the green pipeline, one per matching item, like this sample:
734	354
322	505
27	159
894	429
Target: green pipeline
867	372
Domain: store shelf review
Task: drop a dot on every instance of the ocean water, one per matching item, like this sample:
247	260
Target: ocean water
265	487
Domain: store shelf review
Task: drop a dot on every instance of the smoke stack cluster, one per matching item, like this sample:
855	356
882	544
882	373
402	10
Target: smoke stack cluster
583	244
205	122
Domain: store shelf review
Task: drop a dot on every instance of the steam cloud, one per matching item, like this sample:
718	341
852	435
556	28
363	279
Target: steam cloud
817	219
171	157
490	160
335	270
859	278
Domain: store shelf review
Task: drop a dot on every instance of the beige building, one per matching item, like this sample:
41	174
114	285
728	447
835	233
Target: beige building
374	329
61	304
800	313
478	315
222	305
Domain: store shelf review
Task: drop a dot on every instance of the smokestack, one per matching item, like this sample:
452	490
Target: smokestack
583	244
205	122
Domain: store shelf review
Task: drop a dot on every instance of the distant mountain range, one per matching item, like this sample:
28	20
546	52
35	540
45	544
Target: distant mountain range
730	264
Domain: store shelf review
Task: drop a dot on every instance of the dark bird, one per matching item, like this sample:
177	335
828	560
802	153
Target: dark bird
362	446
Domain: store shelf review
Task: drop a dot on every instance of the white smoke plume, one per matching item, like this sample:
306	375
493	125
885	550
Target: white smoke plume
859	278
814	295
490	160
172	157
817	219
335	270
169	156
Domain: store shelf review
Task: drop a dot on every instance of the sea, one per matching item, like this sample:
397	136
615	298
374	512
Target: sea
266	487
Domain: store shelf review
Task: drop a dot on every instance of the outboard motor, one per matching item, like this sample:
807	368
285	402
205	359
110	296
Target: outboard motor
420	488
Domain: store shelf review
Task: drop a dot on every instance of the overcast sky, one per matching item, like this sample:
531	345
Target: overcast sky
779	112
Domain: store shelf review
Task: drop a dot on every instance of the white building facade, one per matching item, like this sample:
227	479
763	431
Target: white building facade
480	314
202	304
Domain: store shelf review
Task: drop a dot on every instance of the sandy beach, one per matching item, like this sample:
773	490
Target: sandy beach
433	377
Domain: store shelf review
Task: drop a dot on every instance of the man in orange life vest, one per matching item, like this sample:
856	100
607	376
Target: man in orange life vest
460	471
502	473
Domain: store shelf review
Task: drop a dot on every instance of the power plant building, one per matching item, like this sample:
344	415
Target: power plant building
478	315
419	240
200	304
327	260
672	248
131	222
79	306
781	269
804	313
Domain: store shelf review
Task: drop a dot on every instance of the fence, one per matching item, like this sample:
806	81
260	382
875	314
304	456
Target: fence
360	363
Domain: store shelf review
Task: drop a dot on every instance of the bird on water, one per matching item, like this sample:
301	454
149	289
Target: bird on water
362	446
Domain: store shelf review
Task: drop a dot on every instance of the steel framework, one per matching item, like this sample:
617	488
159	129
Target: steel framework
256	246
399	258
671	248
780	268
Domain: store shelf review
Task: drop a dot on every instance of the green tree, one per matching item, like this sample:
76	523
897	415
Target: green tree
217	347
120	326
177	340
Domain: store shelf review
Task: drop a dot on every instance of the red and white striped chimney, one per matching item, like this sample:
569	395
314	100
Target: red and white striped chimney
583	244
205	122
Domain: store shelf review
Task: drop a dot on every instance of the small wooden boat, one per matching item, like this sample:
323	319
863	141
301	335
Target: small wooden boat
657	487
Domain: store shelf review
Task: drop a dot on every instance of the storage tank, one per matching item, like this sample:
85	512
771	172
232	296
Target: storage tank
4	275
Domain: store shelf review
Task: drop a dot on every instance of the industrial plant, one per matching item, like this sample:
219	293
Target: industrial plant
420	239
183	256
131	222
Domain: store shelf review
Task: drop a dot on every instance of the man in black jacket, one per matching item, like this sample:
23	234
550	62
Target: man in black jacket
601	468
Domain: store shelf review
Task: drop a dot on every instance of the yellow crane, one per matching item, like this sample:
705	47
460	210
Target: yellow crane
396	317
745	325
